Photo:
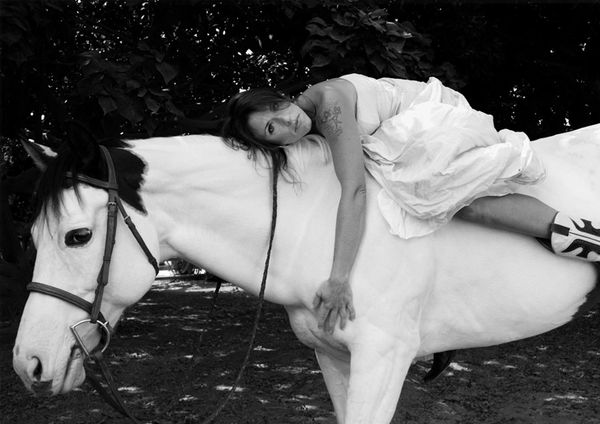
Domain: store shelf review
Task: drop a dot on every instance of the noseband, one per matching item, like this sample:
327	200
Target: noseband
93	308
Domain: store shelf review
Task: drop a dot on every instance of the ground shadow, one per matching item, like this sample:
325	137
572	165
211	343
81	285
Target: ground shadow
174	363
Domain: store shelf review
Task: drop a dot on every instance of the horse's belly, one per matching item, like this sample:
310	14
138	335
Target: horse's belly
494	287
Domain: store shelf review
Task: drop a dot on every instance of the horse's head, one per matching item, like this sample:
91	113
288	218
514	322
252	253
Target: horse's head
70	234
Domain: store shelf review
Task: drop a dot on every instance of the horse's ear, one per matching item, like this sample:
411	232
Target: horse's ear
82	142
40	154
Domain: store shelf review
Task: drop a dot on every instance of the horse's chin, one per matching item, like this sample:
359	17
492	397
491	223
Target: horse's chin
74	373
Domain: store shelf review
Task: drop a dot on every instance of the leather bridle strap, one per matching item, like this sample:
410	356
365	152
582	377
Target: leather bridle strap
137	236
112	187
96	369
261	295
114	204
111	231
64	295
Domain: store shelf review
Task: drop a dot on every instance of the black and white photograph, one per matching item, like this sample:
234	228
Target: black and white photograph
300	211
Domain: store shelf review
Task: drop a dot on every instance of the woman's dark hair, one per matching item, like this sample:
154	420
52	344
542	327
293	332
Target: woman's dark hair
237	133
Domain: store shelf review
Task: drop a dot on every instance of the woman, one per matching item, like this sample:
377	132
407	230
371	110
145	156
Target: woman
433	155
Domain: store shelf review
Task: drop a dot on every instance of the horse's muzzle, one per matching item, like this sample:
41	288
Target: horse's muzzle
42	388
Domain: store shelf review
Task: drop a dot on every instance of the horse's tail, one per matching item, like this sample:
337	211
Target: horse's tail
440	361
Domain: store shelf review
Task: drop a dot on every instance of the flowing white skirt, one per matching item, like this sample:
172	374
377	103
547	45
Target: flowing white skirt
437	155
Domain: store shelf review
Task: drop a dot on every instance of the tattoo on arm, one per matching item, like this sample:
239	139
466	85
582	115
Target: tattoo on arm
330	119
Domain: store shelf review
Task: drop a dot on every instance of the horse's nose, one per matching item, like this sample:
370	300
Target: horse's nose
36	366
30	369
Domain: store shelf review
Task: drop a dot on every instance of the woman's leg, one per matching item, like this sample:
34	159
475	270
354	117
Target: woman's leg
513	212
568	236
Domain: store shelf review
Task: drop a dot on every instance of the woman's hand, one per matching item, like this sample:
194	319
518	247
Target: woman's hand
333	300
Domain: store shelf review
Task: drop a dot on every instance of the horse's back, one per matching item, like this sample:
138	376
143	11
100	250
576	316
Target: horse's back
572	163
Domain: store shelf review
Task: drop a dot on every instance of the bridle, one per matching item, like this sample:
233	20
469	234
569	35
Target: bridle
111	395
93	308
114	204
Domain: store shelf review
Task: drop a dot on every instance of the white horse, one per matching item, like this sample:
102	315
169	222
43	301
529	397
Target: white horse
461	287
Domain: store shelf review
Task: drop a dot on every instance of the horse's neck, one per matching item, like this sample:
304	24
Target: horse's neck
212	206
193	201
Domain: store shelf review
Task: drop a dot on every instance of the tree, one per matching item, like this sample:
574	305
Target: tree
529	63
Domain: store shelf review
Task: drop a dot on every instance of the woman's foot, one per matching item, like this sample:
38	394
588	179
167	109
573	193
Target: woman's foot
575	237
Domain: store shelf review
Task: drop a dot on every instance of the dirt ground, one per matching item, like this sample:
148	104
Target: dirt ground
165	377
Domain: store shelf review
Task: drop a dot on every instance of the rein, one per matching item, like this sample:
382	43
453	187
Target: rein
261	298
93	357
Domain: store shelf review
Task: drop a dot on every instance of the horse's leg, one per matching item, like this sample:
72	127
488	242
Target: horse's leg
378	368
336	373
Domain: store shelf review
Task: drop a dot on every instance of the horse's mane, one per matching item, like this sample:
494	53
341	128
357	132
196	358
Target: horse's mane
312	147
309	150
131	168
54	180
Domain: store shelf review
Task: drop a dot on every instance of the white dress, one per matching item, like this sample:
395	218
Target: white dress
433	154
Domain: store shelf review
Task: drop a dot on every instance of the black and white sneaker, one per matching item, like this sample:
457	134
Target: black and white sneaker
575	237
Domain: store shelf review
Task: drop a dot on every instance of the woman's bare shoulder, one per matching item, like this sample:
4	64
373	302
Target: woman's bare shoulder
331	89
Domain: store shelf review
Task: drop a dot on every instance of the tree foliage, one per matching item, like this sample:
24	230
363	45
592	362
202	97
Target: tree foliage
351	38
529	63
162	67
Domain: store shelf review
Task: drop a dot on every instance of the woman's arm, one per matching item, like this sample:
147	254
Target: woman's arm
336	121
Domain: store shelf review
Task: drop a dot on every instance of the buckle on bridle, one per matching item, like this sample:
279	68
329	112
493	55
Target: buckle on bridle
104	337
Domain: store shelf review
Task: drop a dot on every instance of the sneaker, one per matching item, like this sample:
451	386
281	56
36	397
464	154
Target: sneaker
575	237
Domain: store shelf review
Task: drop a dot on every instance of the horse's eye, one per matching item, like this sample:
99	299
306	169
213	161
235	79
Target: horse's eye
78	237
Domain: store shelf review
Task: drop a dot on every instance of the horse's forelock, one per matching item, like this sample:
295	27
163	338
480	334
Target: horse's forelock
53	181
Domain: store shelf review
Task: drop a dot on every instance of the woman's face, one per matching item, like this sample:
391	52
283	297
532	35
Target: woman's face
282	125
